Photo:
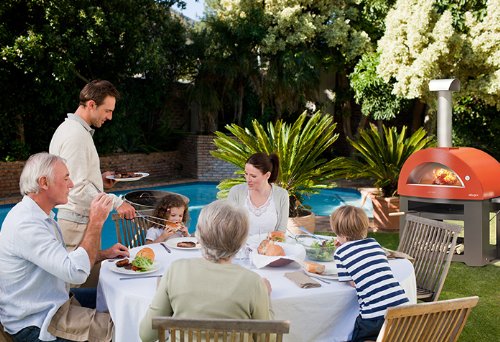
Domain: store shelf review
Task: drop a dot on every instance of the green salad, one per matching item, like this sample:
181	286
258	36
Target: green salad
321	251
141	264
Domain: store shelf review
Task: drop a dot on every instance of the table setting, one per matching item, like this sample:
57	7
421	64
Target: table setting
319	307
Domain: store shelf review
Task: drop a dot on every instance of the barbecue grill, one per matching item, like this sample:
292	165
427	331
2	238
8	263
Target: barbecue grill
454	183
147	199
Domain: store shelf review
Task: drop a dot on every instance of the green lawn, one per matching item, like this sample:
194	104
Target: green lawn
464	281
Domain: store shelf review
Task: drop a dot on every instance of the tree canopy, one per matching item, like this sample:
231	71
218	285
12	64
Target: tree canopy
429	39
358	60
280	52
49	49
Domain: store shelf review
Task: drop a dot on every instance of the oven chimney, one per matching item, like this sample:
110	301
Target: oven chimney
444	88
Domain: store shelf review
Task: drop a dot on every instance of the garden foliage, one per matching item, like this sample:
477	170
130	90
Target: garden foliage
50	49
300	147
381	155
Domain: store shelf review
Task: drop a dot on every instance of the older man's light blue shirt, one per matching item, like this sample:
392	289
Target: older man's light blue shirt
35	268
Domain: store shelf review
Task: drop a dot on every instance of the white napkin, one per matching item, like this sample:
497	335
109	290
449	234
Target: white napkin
302	280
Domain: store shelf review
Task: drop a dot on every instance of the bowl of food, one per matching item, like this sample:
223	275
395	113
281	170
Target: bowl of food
317	249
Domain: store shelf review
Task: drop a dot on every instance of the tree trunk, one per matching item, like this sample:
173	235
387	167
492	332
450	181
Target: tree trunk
327	85
241	92
417	114
346	108
20	129
362	123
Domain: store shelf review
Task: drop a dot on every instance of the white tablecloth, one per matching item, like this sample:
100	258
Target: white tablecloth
326	313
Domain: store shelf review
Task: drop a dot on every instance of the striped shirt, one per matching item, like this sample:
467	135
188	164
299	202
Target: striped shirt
364	262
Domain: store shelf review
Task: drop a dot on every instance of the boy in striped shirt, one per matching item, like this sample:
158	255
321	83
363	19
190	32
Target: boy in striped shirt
362	262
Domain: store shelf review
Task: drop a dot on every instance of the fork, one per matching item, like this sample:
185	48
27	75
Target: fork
317	278
291	234
165	246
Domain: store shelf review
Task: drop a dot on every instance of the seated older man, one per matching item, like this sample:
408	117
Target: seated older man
35	268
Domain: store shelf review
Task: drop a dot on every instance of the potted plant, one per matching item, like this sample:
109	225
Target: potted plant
380	156
300	146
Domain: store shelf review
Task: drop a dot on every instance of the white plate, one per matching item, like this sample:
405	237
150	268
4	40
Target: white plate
131	179
123	270
330	272
173	242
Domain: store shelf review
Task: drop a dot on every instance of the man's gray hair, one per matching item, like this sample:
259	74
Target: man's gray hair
37	166
222	229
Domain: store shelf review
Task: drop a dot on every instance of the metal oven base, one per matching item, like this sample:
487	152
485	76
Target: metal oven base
475	216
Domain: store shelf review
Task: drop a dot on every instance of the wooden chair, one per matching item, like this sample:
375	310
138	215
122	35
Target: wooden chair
222	330
4	337
432	244
131	233
424	322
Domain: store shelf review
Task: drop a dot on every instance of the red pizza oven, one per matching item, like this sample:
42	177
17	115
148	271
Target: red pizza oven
463	173
455	183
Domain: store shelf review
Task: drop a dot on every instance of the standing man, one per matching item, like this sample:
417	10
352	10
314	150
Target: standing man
36	268
73	141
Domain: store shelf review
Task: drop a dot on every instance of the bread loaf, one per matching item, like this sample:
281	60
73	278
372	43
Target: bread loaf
314	267
146	252
269	248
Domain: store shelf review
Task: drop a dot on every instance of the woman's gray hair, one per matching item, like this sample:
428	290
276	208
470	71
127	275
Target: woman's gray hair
37	166
222	229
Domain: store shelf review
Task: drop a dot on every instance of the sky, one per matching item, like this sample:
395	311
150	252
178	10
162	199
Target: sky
194	9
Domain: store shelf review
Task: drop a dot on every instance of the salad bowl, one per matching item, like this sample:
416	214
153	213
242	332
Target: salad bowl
317	250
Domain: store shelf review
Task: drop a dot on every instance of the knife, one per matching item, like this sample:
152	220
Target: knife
165	246
142	277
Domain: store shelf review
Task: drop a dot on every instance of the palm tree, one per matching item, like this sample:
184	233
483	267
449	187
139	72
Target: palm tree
300	147
381	155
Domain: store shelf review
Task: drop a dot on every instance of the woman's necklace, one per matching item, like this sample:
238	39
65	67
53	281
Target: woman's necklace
258	211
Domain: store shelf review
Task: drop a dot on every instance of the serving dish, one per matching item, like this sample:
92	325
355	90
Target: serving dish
140	175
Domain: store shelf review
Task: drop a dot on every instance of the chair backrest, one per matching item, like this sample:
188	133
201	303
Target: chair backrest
437	321
131	233
4	337
216	330
432	244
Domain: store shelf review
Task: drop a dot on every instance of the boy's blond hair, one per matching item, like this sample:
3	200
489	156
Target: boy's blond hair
349	222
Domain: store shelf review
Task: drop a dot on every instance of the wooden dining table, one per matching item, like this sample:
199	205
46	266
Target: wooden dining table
325	313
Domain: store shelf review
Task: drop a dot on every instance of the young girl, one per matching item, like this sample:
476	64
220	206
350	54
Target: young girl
171	215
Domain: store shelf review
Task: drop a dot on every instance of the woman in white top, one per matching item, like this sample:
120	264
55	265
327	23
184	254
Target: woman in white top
267	204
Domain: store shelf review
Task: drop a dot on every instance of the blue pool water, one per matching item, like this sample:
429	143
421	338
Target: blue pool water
202	193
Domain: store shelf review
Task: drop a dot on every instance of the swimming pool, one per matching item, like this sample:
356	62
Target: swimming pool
202	193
